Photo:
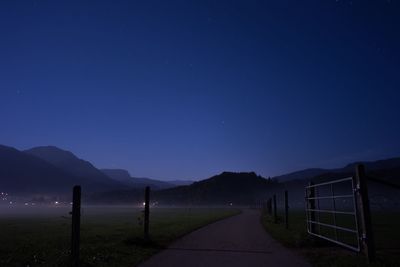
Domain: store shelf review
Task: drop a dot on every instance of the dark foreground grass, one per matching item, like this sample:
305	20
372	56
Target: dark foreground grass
323	253
110	236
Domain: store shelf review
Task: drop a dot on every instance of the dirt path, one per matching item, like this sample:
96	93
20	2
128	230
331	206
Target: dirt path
236	241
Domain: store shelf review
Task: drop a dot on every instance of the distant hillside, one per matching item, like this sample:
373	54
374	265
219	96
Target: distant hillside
49	170
180	182
370	166
124	177
246	188
53	170
385	164
225	188
24	173
300	175
70	163
117	174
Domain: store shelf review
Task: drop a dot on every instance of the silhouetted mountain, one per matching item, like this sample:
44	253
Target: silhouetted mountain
70	163
124	177
381	178
385	164
49	170
53	170
246	188
225	188
180	182
117	174
299	175
24	173
370	166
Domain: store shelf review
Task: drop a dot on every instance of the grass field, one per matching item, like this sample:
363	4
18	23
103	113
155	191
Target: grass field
323	253
110	236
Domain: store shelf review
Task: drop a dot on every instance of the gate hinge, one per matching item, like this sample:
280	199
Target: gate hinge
363	237
356	189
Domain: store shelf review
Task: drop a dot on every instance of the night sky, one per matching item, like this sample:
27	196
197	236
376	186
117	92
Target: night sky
188	89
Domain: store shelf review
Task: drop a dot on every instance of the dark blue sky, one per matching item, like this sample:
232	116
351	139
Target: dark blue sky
187	89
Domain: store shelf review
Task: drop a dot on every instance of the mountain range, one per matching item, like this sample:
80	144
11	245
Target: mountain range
370	166
225	188
124	177
71	164
248	188
23	173
51	170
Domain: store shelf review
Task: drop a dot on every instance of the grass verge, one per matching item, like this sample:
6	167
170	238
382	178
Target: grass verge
110	236
321	253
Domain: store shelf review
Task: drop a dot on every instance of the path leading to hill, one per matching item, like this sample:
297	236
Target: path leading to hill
237	241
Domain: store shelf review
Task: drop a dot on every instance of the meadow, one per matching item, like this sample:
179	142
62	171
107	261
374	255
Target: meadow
323	253
110	235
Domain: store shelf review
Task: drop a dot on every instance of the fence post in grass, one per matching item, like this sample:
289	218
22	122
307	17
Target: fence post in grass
275	212
286	210
269	206
146	213
76	225
311	207
367	238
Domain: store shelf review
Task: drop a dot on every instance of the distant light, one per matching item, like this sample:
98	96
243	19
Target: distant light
230	204
71	203
26	204
10	202
56	202
144	203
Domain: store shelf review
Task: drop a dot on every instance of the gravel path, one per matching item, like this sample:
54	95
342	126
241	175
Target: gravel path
237	241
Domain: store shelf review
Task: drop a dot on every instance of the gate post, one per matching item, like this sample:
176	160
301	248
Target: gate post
286	210
146	213
311	205
367	238
76	225
275	215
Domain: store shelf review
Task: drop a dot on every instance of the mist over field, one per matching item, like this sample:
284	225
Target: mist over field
199	133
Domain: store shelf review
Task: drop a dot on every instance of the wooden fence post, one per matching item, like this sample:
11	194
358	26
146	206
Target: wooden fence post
286	210
76	225
367	238
311	207
275	212
146	213
269	206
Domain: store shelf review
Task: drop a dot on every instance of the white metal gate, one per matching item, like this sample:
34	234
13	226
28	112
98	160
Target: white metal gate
331	212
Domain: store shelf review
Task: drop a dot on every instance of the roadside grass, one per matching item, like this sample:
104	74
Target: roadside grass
110	236
323	253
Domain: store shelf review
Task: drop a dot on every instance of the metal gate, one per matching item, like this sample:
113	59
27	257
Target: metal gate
339	211
331	212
